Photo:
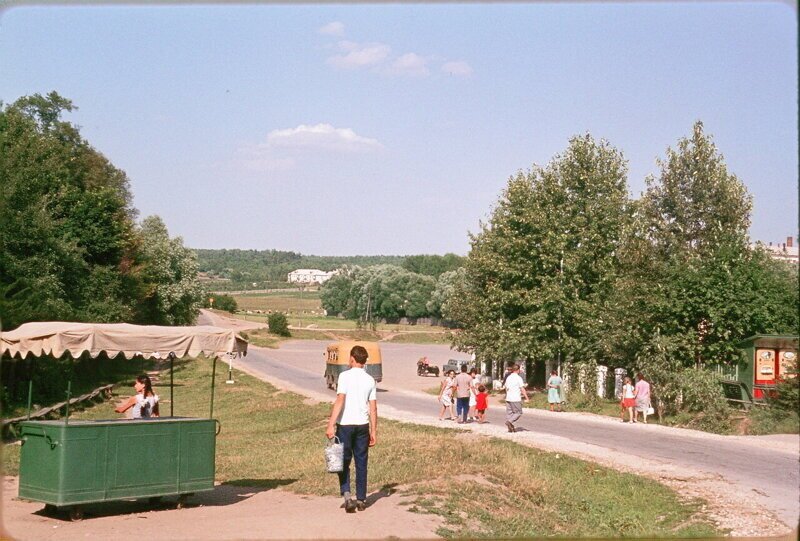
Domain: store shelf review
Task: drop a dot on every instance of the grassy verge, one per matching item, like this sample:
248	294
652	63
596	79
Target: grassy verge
481	487
757	421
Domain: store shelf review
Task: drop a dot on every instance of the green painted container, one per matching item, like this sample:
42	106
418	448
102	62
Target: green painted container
97	461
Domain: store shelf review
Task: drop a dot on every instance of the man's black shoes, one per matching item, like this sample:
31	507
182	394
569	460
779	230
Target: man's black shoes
350	506
361	505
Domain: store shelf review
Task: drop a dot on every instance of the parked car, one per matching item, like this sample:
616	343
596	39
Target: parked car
455	365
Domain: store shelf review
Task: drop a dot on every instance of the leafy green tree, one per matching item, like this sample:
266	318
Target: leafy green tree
68	245
439	303
539	274
706	288
391	292
336	294
432	265
170	270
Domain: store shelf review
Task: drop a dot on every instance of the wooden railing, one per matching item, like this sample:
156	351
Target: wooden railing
104	392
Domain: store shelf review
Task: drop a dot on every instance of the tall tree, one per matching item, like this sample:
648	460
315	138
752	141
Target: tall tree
540	272
706	287
68	239
170	270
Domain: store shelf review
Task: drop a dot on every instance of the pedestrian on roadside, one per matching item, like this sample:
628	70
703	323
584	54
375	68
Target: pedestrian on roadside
515	391
481	403
354	420
473	391
642	394
554	390
629	398
463	383
446	395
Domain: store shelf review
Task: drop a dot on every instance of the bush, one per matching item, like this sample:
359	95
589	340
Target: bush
225	302
278	324
787	392
702	394
221	302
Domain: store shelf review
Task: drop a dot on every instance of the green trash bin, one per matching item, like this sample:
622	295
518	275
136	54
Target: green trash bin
96	461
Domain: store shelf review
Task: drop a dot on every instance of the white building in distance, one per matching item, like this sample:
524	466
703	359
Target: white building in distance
310	276
785	251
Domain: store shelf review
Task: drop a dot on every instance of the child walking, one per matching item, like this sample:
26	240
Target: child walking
629	399
481	403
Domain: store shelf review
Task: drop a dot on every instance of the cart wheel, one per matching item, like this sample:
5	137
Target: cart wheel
182	501
76	514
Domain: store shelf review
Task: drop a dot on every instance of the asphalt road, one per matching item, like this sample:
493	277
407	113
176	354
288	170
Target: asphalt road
770	475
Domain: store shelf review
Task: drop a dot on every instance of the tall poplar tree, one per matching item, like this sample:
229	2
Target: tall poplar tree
540	273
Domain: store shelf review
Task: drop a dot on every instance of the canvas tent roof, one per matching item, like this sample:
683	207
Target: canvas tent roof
57	337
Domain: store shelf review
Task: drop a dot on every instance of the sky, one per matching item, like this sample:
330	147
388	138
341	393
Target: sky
365	129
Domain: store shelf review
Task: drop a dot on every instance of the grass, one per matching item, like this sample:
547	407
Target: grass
290	302
576	402
481	487
421	338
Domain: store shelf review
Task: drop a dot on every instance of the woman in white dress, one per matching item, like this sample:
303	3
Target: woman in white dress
144	403
446	395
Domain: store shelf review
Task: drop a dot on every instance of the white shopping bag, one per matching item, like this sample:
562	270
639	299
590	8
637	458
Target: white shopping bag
334	455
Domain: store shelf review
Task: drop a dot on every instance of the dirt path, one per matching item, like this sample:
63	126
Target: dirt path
228	512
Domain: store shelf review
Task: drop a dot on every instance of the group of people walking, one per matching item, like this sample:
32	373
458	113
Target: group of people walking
463	396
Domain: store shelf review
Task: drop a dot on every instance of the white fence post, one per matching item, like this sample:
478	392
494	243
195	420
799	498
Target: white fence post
619	379
602	371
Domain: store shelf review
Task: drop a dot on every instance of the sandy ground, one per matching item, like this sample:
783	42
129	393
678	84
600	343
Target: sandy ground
227	512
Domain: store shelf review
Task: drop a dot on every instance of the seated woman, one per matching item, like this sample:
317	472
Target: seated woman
145	403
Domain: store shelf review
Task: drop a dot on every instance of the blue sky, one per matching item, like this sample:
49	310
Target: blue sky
392	129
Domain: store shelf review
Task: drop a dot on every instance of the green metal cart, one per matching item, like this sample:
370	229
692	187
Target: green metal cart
66	464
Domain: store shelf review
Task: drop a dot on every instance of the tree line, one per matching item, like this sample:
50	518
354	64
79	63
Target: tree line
569	267
260	266
71	248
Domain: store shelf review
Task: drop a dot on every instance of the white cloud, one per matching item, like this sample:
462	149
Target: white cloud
334	28
410	64
359	55
320	136
460	68
283	149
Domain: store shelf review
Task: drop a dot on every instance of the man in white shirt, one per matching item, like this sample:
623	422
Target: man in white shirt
515	390
354	419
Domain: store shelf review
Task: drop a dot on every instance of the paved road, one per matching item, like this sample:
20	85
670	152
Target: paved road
770	475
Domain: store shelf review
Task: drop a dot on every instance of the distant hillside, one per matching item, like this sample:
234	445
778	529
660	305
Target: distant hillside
274	265
261	266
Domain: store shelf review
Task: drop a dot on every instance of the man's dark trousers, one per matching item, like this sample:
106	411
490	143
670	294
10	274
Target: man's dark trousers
356	445
462	408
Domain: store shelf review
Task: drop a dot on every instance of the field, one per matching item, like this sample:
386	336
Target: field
306	317
481	487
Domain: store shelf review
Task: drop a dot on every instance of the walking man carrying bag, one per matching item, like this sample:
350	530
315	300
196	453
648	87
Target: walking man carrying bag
354	419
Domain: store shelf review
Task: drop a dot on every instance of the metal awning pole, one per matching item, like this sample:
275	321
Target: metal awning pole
30	395
69	393
171	384
213	379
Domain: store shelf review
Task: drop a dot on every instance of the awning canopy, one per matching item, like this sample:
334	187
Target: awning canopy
57	337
